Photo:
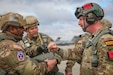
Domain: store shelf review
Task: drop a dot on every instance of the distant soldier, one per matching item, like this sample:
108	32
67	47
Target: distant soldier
35	43
13	59
97	56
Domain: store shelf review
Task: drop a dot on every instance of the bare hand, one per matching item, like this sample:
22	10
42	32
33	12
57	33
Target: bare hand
51	64
52	47
68	73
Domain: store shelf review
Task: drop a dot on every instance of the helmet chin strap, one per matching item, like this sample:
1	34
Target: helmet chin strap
85	27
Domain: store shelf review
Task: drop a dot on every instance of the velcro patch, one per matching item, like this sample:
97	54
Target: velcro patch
110	54
109	43
20	55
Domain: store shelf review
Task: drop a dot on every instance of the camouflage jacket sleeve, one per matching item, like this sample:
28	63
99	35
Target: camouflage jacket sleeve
105	54
69	65
78	56
70	54
14	59
75	54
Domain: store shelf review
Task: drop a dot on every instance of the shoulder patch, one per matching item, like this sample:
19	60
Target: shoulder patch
20	55
109	43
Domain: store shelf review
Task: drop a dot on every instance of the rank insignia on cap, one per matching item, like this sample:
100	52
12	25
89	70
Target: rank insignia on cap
20	55
109	43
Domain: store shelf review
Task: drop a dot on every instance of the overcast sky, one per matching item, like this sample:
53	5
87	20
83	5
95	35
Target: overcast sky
56	17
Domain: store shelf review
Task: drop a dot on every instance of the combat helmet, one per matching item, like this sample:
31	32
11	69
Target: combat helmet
11	19
91	11
31	21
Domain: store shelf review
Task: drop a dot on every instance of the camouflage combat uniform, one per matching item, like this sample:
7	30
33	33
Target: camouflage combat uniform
31	50
38	46
16	59
97	55
13	59
96	59
42	40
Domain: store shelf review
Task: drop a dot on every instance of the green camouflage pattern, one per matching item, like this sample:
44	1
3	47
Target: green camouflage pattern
94	8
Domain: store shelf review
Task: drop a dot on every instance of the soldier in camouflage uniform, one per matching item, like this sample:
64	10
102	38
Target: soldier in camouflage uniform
35	43
13	59
97	56
79	47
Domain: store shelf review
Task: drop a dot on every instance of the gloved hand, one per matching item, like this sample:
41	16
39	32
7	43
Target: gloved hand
53	47
42	48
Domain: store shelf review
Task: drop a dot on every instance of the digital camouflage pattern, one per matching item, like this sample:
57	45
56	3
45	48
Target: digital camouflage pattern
104	52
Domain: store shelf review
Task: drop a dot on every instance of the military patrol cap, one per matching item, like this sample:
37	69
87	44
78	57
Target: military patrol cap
31	21
11	19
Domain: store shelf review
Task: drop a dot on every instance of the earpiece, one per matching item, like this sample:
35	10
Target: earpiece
91	18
